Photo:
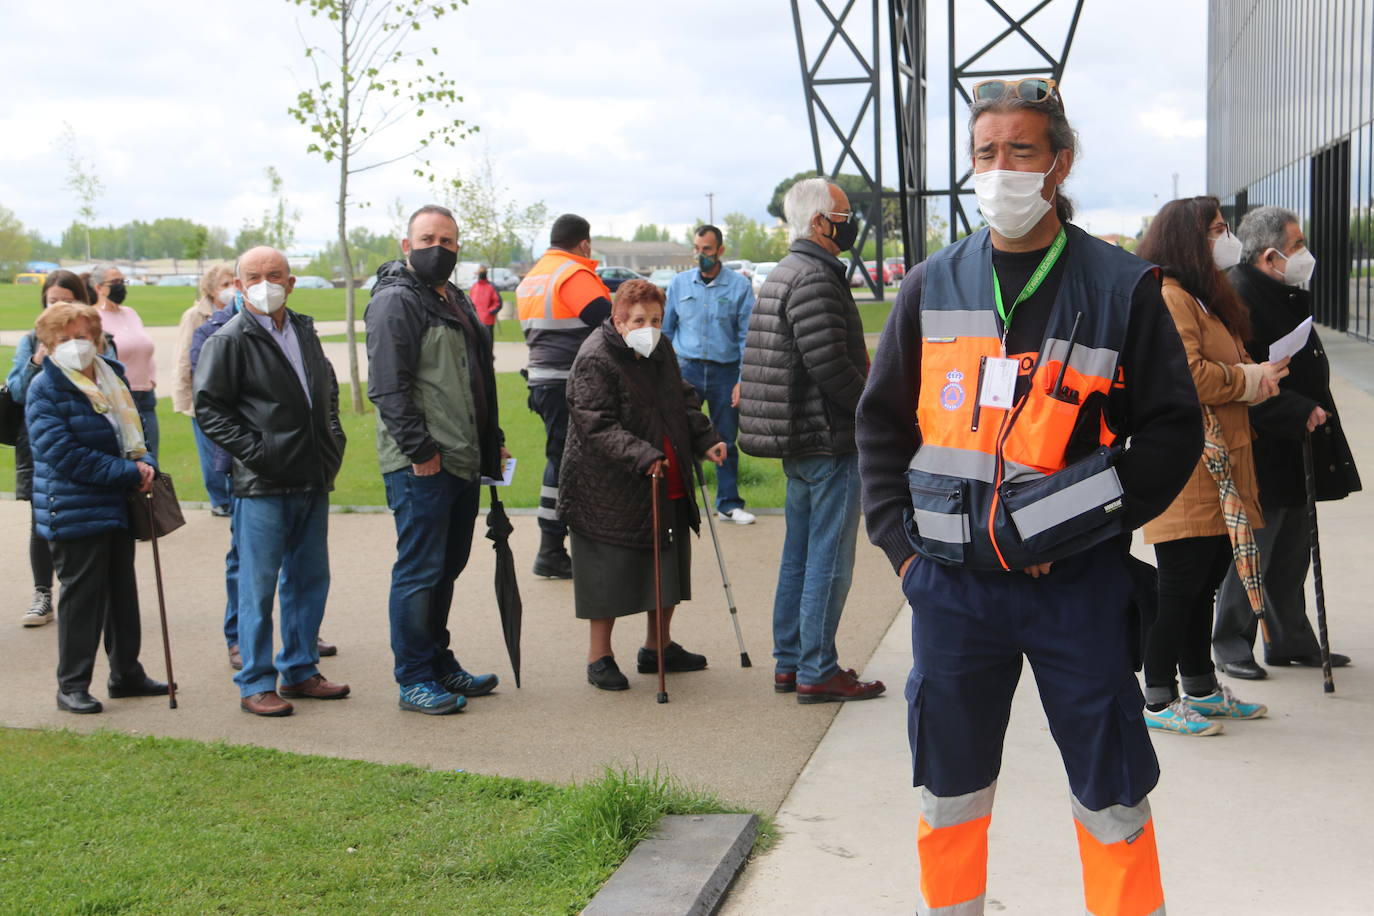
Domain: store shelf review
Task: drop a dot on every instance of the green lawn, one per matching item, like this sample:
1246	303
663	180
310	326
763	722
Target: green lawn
163	305
109	823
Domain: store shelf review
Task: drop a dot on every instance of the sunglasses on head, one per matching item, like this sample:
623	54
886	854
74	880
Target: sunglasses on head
1030	89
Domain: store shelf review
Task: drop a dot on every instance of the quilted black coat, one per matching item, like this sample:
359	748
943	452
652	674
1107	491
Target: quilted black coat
620	407
805	361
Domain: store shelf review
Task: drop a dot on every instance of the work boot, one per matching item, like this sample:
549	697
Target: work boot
552	561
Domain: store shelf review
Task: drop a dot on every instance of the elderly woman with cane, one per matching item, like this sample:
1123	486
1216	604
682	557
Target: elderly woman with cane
88	452
631	417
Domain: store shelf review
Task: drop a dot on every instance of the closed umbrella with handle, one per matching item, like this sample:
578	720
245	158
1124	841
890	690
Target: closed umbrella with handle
508	602
1323	643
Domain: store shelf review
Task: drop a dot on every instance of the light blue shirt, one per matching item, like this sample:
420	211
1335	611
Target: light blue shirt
709	320
289	343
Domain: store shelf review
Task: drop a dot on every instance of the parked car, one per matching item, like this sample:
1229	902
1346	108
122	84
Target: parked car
898	268
614	276
29	278
741	266
662	277
761	272
502	279
888	278
309	281
179	280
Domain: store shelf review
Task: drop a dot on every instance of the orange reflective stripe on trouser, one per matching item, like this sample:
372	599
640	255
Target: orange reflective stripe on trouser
1120	860
952	844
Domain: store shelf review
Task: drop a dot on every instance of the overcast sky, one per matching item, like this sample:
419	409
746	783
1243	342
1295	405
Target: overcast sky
626	112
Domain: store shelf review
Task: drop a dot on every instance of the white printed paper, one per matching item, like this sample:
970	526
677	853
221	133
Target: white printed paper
999	383
507	475
1291	342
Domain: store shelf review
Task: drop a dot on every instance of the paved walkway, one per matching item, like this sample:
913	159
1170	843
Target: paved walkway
1272	817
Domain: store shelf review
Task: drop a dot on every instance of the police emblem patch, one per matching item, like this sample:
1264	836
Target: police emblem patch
952	395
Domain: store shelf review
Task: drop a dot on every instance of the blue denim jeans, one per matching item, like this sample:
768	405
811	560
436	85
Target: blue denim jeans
231	584
146	402
715	382
284	537
822	513
217	483
435	516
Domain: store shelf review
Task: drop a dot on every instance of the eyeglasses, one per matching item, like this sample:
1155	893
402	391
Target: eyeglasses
1030	89
838	216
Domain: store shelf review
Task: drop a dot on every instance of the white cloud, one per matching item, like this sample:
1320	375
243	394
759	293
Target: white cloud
1171	124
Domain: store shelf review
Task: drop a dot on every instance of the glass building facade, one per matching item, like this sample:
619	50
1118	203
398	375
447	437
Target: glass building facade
1290	121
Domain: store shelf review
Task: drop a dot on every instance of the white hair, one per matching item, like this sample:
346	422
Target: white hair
803	201
1264	228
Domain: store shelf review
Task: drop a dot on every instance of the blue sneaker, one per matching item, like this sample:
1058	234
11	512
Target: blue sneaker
1178	717
429	698
469	685
1224	705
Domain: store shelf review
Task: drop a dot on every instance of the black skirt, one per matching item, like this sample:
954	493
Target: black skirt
614	581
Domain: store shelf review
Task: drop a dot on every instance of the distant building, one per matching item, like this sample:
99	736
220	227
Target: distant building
643	256
1290	122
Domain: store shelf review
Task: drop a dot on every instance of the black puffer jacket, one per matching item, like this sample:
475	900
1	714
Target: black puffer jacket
619	409
1281	422
804	360
249	402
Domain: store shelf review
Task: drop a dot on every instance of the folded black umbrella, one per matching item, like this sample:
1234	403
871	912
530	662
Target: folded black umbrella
508	601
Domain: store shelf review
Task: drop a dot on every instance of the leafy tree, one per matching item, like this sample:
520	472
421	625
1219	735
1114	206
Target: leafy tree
650	232
15	246
358	93
854	186
41	249
367	252
81	180
196	247
278	224
494	226
753	241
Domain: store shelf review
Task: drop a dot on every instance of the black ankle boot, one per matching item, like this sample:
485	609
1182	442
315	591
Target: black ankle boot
552	561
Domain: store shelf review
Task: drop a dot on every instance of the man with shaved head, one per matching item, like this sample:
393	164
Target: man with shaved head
265	393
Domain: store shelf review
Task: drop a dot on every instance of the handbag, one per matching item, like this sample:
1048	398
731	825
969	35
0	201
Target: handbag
156	513
11	417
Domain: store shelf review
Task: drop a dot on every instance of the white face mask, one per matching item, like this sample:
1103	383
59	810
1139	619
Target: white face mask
226	296
643	340
75	355
1226	250
1010	200
1298	269
267	297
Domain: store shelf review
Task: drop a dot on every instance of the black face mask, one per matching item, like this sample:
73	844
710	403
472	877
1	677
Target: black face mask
433	265
118	291
844	234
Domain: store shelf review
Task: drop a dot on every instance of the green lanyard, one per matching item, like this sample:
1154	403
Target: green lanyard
1046	265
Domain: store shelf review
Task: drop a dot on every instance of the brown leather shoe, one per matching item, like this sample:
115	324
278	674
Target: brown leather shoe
785	683
326	648
266	703
316	688
843	686
235	658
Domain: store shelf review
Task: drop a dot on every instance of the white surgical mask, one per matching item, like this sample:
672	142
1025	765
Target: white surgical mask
1010	200
75	355
267	297
1298	269
643	340
1226	250
226	296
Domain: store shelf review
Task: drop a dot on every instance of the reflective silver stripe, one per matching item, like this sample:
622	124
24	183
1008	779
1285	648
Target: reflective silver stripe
548	492
553	287
535	372
1115	824
958	323
552	324
956	809
955	462
1070	502
545	512
1095	361
1015	472
972	907
952	529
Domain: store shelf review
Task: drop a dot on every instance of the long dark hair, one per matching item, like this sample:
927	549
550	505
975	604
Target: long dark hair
68	281
1177	242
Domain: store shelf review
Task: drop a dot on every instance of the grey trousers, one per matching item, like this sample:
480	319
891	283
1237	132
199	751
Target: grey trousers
1285	551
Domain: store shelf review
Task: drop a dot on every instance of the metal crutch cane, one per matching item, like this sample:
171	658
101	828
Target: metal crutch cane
161	606
1318	587
744	661
658	587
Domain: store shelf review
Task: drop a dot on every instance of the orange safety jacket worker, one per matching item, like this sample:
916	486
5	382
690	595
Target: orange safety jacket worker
1031	482
552	321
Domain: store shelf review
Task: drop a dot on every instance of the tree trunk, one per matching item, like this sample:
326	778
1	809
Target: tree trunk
355	385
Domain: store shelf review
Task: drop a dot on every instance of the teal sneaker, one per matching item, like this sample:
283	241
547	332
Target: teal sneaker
429	698
1224	705
1178	717
464	684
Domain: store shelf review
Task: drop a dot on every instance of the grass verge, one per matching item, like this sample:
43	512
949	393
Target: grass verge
108	823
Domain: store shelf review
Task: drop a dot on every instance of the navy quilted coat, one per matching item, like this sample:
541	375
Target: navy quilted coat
79	477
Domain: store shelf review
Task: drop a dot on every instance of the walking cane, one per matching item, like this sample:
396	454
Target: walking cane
1328	683
658	588
161	605
744	661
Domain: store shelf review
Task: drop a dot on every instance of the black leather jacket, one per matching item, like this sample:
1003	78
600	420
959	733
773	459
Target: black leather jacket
249	402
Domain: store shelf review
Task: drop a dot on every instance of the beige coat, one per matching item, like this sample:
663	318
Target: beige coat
1227	379
192	318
